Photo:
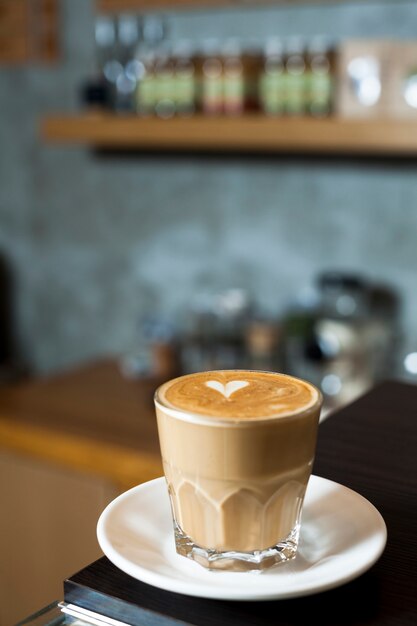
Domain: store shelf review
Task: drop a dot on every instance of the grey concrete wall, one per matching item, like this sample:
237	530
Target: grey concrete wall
96	242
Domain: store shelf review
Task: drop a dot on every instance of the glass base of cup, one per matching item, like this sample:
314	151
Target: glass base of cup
234	561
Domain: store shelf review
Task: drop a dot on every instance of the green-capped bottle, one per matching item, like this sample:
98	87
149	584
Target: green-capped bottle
154	32
320	77
295	78
272	88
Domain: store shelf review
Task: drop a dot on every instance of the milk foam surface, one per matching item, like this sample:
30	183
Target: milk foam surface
238	394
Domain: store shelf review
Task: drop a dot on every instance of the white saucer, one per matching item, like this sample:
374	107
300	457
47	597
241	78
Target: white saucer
342	536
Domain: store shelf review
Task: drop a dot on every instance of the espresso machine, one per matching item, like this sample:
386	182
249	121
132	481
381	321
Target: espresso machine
347	340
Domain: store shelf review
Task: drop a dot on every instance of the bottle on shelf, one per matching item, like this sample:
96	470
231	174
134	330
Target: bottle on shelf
272	88
184	78
320	77
253	63
233	79
141	70
145	87
211	79
295	78
154	31
164	78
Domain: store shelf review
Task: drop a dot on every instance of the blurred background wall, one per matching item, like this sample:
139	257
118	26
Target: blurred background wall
94	242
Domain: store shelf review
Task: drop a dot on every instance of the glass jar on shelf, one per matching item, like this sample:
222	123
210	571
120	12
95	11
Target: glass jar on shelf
109	67
127	38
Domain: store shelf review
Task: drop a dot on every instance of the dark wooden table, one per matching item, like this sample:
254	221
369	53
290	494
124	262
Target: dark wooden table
371	447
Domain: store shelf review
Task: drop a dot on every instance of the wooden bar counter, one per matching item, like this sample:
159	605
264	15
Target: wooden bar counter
369	446
68	445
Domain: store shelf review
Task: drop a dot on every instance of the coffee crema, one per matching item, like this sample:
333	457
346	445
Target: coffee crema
239	394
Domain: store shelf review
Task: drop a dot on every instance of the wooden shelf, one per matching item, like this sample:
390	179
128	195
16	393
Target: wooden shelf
253	133
118	6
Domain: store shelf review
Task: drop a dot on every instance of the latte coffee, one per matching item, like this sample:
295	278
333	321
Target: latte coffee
237	448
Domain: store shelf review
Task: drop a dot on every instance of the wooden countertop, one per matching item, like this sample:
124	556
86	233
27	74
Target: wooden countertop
369	446
92	419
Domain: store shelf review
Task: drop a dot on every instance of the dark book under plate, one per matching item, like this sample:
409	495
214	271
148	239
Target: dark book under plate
104	589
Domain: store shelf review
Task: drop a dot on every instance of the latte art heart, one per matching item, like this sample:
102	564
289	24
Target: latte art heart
227	389
238	394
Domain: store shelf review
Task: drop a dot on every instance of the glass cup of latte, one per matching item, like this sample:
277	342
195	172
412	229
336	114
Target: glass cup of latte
238	449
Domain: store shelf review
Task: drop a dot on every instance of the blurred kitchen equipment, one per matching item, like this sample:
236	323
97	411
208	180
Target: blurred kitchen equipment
214	337
406	369
118	71
155	353
263	343
128	35
347	341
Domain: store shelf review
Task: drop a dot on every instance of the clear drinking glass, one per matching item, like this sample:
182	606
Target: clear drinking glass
237	483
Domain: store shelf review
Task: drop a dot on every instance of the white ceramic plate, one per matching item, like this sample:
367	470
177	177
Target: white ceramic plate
342	536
